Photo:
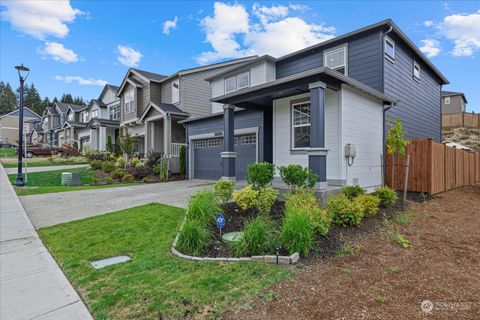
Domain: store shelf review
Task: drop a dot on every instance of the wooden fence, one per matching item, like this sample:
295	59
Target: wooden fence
434	167
462	119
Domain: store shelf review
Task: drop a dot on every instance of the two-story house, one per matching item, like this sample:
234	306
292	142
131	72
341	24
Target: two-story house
323	107
53	121
453	102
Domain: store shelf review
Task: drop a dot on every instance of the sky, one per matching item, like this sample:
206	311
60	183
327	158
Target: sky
78	46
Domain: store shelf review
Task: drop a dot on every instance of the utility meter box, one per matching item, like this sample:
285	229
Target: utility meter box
66	178
350	150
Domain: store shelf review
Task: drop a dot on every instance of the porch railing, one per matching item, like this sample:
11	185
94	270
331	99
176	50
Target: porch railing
175	149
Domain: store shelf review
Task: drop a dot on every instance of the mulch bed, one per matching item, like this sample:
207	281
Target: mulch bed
151	178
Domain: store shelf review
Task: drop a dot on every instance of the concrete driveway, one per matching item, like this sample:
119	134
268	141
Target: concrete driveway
54	208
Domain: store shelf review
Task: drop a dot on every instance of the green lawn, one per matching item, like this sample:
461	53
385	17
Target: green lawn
154	284
45	163
7	152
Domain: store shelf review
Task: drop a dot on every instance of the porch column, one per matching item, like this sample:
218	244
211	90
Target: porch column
148	131
72	135
167	134
228	155
317	154
102	138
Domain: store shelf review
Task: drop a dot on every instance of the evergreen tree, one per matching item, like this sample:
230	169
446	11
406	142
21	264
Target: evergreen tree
66	98
32	99
46	103
55	100
8	99
79	101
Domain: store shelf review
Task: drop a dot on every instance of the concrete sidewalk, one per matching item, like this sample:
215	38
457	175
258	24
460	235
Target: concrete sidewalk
49	168
32	286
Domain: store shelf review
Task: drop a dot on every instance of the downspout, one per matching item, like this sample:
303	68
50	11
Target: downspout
384	173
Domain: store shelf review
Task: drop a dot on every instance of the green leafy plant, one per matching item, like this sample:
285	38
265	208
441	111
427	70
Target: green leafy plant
146	179
352	192
387	196
260	174
224	189
153	158
120	162
245	197
126	144
128	178
108	166
109	145
369	203
163	173
194	238
108	180
262	199
96	164
343	211
295	175
297	232
182	156
394	235
380	299
203	206
257	237
118	174
396	143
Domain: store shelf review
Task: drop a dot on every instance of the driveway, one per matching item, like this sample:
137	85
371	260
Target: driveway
54	208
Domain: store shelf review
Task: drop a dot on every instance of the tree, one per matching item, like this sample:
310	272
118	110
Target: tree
32	99
66	98
79	101
8	99
46	103
126	143
109	144
396	143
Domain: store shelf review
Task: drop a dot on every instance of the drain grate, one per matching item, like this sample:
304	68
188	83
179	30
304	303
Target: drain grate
99	264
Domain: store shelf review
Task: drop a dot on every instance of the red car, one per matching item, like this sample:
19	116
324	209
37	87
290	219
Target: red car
42	150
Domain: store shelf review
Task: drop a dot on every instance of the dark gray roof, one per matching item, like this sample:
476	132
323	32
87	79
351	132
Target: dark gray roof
114	88
150	75
104	122
75	124
454	93
99	103
64	106
168	107
52	110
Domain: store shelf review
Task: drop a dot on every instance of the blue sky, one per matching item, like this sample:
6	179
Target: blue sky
77	46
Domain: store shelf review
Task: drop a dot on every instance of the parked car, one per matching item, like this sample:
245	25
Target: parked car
6	145
42	150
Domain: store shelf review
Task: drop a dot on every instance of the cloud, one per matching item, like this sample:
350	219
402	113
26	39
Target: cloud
430	47
233	32
428	23
169	25
58	52
128	56
81	81
40	18
464	31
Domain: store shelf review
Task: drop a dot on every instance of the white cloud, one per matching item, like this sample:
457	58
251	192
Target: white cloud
169	25
128	56
464	31
81	81
58	52
40	18
430	47
428	23
233	32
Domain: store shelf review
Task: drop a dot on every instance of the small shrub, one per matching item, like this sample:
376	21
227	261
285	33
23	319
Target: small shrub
182	159
128	178
297	232
352	192
108	180
153	158
140	172
120	162
194	238
257	238
387	196
343	211
109	145
261	199
96	164
245	198
203	206
260	174
134	161
69	150
297	176
146	180
369	203
108	166
224	190
118	174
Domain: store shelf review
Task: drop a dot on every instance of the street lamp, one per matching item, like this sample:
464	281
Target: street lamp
22	75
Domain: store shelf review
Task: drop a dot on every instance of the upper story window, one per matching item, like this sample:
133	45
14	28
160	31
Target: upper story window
62	118
176	91
416	70
243	80
70	116
301	125
84	116
114	113
94	114
447	100
389	48
336	59
128	100
230	84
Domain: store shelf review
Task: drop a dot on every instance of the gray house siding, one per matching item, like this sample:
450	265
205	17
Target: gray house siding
166	92
456	105
419	101
130	115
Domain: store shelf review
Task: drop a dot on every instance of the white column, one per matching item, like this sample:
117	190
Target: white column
102	141
146	127
167	135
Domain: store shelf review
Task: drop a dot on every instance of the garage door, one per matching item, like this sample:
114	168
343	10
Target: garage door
207	163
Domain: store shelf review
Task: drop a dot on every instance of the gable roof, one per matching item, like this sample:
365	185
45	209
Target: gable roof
100	103
453	93
107	87
63	107
163	108
150	75
27	113
51	110
247	63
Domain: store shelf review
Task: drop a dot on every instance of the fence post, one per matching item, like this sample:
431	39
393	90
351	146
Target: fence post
405	184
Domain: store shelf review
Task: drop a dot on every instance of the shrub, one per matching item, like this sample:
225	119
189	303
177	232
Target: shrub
153	158
146	179
260	174
108	166
118	174
140	172
387	196
109	145
140	164
128	178
96	164
203	206
297	176
87	151
352	192
194	238
297	232
245	197
182	159
257	238
69	150
108	180
120	162
134	161
343	211
224	190
369	203
262	199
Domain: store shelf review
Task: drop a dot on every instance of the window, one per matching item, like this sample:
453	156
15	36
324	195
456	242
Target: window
94	114
70	116
114	113
128	100
389	48
84	116
200	144
175	91
416	70
251	139
230	84
447	100
62	118
301	125
243	80
214	143
336	59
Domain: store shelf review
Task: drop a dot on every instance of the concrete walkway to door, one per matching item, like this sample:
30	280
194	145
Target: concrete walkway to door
32	286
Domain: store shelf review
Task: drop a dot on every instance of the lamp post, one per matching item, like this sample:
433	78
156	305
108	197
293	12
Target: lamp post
22	75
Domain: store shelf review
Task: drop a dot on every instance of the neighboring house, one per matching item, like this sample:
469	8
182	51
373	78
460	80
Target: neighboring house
453	102
36	131
9	125
53	123
310	107
68	132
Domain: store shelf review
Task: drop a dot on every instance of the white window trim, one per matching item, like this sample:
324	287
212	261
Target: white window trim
248	80
130	107
447	100
292	126
70	117
416	64
234	87
343	47
388	39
